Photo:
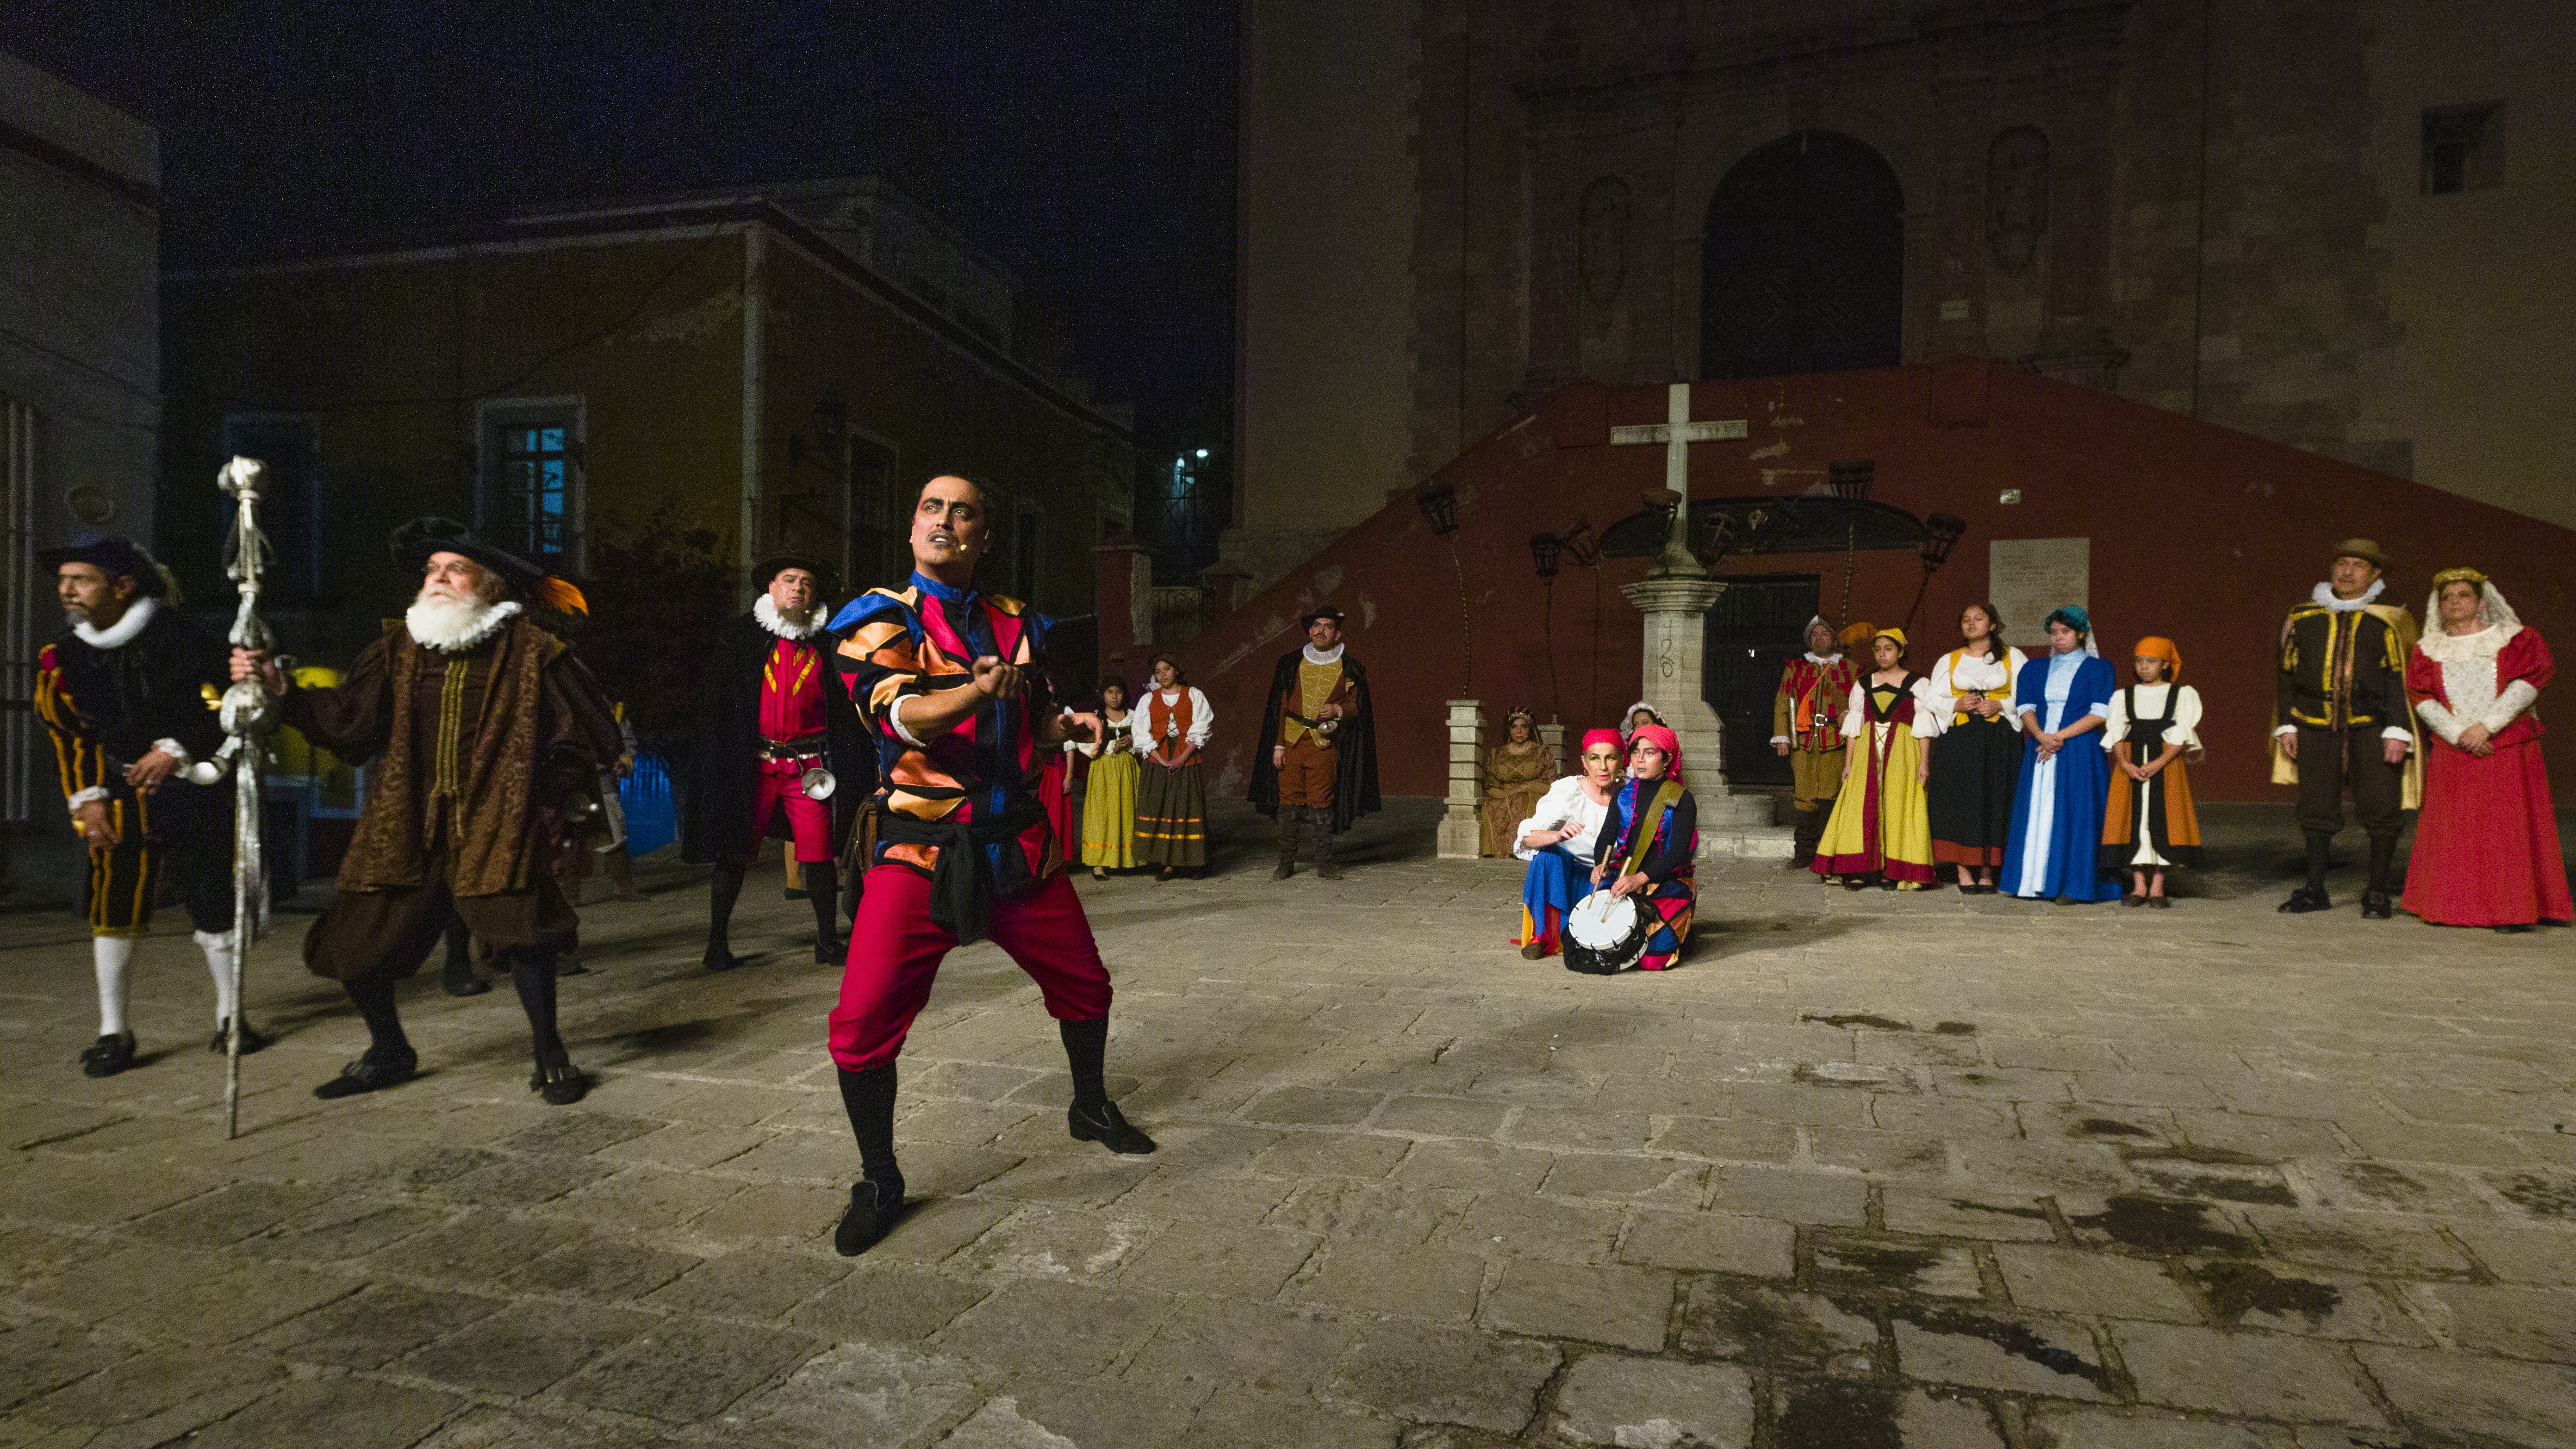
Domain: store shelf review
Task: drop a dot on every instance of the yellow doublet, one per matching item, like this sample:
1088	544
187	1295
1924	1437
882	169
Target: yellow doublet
1315	685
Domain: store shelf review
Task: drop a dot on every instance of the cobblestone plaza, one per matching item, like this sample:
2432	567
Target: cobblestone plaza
1868	1170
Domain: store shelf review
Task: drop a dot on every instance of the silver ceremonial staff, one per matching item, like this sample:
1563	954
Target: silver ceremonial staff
248	716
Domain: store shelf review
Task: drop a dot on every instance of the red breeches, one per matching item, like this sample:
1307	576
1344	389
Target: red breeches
895	951
780	786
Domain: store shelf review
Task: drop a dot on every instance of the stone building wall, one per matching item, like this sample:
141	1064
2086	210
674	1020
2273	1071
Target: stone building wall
2222	215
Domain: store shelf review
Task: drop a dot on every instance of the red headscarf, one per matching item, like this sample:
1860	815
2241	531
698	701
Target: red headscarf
1602	737
1666	741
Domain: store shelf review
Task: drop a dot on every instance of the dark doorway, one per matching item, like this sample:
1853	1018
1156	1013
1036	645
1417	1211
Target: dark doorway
1803	261
1754	630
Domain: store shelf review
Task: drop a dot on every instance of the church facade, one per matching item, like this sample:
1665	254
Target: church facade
2338	225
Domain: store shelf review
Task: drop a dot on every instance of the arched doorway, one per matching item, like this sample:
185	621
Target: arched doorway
1803	261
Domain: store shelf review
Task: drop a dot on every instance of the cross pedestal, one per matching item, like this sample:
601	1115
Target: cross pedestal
1675	598
1462	835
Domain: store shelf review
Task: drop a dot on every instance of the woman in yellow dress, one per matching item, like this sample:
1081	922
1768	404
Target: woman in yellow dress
1109	791
1517	772
1881	830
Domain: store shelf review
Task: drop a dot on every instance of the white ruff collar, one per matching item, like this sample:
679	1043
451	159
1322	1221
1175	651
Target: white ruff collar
2444	647
450	630
1813	658
2325	597
1325	656
765	609
122	632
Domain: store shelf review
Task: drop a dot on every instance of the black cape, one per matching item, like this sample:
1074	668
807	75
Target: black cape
150	688
1355	788
716	789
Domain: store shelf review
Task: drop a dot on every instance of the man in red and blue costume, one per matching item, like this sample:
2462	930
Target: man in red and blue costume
947	680
771	709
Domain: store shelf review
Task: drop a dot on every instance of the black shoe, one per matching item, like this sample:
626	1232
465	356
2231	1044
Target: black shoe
1537	950
2133	900
2162	903
459	980
720	959
108	1055
2069	901
370	1073
2375	906
1854	883
2516	930
831	951
1886	884
1109	1128
558	1081
569	966
874	1209
252	1040
2306	899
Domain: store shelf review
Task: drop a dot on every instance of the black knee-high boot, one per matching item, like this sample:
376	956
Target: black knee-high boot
457	976
823	887
723	890
2320	851
532	970
1093	1117
389	1059
876	1200
2375	904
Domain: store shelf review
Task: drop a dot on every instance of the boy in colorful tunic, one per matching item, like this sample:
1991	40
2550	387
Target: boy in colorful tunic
948	680
1650	843
1807	727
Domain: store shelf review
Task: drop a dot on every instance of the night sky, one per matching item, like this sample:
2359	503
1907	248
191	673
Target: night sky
1095	159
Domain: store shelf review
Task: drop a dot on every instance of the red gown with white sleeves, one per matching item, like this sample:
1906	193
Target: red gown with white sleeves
2486	842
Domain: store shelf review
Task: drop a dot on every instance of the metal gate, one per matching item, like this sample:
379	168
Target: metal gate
1753	630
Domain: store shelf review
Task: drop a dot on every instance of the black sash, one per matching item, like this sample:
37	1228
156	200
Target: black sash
963	884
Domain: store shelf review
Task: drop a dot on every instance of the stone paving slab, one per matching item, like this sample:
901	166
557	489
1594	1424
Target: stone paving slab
1920	1170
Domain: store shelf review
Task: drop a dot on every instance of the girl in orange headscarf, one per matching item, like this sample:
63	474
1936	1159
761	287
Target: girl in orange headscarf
2153	726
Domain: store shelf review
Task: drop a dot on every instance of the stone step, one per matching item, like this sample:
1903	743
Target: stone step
1746	842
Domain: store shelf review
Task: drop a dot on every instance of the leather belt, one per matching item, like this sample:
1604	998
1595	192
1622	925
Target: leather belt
804	747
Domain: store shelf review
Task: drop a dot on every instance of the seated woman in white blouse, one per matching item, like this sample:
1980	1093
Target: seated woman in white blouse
1560	840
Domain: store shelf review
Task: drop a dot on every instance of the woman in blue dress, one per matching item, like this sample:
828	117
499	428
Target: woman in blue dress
2055	847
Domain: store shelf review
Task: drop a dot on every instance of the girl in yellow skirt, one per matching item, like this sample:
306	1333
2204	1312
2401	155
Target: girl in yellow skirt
1109	792
1881	828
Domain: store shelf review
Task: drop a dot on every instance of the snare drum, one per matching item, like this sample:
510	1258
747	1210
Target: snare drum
1606	934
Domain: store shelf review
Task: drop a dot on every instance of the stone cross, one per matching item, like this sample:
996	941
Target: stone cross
1677	432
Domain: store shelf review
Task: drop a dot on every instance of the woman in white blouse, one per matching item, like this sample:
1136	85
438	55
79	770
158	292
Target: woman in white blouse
1979	762
2153	726
1171	797
1561	840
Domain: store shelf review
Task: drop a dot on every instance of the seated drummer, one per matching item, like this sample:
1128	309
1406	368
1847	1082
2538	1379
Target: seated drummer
1649	839
1560	840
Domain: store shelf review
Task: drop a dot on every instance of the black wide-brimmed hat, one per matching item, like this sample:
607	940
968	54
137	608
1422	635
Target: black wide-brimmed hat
826	579
118	558
1326	611
412	544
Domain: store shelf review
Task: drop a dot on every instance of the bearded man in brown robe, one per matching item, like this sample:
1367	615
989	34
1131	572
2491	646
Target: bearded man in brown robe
475	722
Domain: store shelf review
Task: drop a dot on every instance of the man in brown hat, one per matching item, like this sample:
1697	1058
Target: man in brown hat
1317	760
2341	719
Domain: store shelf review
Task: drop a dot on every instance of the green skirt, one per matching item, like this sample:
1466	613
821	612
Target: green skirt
1171	815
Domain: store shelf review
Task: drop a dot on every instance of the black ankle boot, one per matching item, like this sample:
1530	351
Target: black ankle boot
1288	822
2375	905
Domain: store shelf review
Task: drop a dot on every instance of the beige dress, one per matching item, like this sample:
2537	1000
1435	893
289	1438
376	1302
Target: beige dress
1514	781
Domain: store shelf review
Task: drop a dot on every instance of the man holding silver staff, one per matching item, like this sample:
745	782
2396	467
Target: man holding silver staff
475	721
778	750
122	693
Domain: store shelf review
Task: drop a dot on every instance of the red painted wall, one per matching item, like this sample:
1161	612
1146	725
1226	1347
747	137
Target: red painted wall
2199	533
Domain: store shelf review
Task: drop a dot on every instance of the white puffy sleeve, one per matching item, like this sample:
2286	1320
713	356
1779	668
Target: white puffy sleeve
1931	710
2511	701
2444	723
2115	723
2185	730
1202	719
1856	710
1551	812
1140	727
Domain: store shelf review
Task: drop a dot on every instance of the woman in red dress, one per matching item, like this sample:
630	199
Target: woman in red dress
2486	842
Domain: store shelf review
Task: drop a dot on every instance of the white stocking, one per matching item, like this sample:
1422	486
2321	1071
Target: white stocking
111	955
218	946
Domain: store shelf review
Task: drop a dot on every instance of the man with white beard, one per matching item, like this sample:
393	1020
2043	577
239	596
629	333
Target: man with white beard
474	722
121	692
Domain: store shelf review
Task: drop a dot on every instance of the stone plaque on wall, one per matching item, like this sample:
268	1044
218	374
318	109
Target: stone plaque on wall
2028	577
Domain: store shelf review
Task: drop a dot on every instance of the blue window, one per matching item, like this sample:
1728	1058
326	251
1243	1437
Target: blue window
532	502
